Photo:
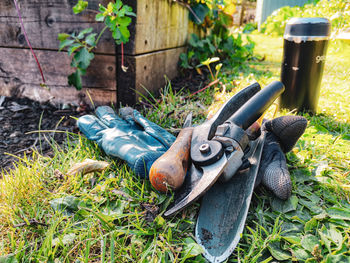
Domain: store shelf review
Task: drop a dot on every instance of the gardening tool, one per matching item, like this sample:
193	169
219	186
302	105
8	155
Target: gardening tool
218	145
169	170
225	206
224	209
129	136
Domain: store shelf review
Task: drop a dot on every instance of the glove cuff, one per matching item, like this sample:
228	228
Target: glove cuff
143	164
287	129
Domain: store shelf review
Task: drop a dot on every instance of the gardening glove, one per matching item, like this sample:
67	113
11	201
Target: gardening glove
281	135
130	137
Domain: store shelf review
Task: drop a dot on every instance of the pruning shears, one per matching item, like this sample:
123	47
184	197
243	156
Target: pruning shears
218	145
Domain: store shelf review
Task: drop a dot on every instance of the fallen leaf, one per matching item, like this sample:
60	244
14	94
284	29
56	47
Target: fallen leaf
191	248
65	240
88	166
68	204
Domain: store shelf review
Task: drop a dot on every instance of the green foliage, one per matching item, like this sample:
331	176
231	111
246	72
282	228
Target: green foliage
337	11
116	17
215	20
80	6
231	50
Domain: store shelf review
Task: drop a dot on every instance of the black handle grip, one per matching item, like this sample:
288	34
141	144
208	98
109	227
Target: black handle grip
207	130
255	106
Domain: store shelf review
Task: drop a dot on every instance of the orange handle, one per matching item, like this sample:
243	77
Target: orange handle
169	170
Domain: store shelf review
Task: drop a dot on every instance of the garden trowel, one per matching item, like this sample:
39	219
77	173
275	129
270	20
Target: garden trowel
224	209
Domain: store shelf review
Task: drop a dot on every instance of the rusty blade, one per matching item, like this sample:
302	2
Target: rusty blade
210	175
188	121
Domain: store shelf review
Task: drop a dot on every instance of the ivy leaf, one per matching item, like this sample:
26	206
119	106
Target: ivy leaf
73	48
117	36
124	21
117	5
200	11
102	8
74	79
128	11
125	34
65	43
80	6
63	36
91	39
83	58
111	23
85	31
194	41
100	17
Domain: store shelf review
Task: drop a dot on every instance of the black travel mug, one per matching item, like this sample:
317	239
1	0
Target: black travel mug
304	55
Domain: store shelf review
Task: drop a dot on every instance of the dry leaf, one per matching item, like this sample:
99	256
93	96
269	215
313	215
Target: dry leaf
88	166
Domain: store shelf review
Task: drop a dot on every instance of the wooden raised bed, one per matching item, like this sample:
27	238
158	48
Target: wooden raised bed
158	36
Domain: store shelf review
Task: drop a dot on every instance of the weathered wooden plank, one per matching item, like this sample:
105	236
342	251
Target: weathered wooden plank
146	71
160	24
19	76
44	19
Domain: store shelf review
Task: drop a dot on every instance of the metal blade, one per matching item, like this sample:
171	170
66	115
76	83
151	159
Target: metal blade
210	174
188	121
224	210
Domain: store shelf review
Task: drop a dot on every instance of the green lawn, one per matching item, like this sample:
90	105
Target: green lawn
114	217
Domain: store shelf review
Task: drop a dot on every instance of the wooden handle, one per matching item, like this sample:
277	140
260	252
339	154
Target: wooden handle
169	170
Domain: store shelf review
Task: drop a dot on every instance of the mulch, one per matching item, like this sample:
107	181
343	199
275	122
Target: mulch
23	123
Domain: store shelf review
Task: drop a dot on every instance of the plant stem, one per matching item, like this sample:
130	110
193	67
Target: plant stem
100	35
211	73
122	47
27	40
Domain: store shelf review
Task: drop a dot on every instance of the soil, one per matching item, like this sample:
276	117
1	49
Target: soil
21	119
20	122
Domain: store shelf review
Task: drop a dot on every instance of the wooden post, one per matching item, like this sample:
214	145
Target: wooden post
158	36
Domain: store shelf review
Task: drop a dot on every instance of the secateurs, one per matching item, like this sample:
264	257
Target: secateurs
218	145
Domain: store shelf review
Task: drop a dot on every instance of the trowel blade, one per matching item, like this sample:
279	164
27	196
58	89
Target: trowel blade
224	210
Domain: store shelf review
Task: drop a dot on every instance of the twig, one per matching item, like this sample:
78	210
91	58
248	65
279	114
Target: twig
189	8
31	222
209	85
30	46
28	148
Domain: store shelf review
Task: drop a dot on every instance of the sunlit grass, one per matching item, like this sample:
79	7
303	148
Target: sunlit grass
113	216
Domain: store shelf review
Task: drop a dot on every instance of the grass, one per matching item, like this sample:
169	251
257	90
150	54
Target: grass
112	216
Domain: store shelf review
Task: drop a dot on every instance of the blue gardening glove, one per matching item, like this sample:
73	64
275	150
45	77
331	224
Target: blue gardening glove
130	137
